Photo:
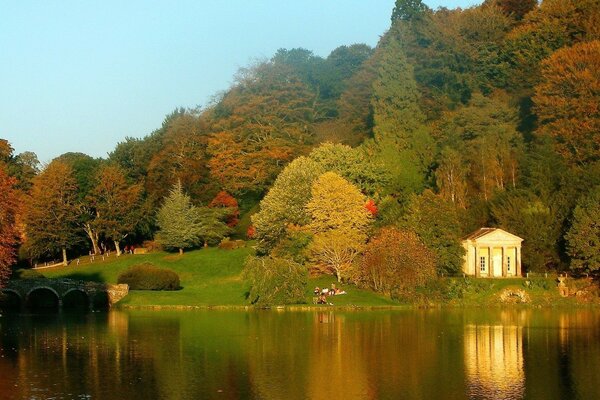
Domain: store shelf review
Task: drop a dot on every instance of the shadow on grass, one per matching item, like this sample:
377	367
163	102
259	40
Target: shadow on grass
83	276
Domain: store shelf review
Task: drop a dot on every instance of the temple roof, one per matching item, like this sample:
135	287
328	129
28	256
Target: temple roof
481	232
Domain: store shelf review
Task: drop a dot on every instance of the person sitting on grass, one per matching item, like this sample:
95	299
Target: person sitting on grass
322	299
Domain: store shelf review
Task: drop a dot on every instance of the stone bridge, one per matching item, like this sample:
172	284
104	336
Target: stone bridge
26	294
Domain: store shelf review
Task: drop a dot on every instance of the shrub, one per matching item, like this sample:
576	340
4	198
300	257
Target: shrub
274	281
228	244
148	277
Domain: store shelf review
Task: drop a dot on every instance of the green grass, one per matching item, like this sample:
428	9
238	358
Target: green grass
209	277
212	277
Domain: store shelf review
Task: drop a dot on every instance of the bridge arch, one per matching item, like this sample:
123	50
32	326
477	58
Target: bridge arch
76	298
11	300
44	298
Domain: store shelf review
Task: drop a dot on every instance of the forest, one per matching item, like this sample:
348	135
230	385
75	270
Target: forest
361	164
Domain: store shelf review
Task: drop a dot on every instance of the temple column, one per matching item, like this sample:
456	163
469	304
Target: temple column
477	271
518	261
504	263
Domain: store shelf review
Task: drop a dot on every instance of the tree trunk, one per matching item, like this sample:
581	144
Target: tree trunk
117	248
64	254
180	251
93	235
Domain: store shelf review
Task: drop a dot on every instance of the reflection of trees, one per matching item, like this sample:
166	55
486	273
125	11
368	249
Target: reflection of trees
289	355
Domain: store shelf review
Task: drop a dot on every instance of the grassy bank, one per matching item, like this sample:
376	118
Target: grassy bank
212	277
209	277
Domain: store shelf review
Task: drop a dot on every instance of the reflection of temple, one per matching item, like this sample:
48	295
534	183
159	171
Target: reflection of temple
494	361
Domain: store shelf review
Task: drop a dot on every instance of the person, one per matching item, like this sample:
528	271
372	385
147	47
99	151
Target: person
317	291
322	299
338	291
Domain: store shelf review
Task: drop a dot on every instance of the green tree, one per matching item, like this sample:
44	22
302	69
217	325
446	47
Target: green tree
275	281
116	205
538	223
338	222
353	165
52	213
517	8
406	10
213	224
285	203
178	221
401	140
583	238
436	221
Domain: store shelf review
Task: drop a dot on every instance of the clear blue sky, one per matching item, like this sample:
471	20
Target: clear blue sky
83	75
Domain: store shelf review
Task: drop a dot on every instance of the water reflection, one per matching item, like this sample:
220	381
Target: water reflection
301	355
494	361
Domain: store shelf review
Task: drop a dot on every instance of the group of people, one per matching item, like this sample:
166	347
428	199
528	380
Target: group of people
324	292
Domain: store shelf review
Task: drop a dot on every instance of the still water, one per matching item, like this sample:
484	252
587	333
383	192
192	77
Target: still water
412	354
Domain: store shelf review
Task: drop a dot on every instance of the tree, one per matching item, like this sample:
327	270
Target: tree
401	140
451	177
274	281
583	238
263	122
285	203
115	204
178	221
566	101
351	164
436	221
517	8
338	223
212	224
225	200
52	215
534	219
8	231
407	10
396	263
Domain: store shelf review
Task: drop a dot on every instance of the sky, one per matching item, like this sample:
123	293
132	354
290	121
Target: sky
80	76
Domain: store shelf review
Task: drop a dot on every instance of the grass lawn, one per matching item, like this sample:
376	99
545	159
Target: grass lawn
209	277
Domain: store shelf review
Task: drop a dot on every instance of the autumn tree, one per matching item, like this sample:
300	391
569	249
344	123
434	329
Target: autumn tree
227	201
396	262
178	221
52	216
8	231
260	124
115	205
517	8
338	222
181	157
583	238
567	103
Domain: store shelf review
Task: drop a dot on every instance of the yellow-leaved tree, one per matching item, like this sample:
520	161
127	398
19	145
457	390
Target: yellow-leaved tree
339	223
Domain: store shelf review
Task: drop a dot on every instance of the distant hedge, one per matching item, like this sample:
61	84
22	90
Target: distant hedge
148	277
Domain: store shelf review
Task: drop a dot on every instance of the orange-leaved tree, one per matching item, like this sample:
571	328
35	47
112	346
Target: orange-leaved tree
566	101
8	231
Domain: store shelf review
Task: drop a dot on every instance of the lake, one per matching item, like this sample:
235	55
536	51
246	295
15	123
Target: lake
400	354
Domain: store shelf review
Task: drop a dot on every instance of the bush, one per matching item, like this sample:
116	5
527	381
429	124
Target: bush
396	263
228	244
148	277
274	281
